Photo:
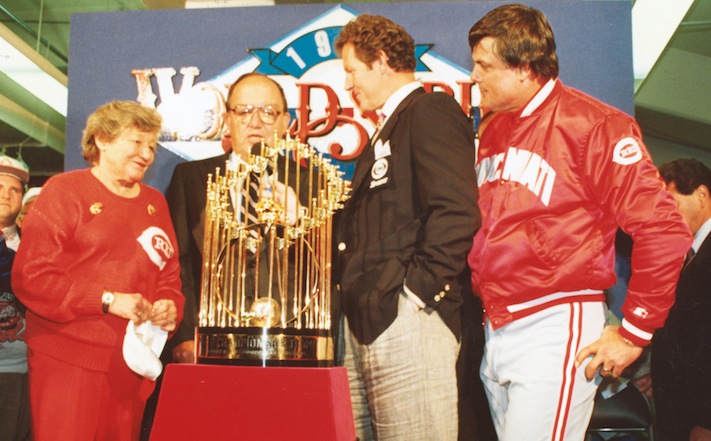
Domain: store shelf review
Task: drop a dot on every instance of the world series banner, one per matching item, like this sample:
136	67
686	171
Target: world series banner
182	62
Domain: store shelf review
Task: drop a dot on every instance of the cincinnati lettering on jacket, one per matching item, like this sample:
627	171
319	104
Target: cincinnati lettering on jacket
521	166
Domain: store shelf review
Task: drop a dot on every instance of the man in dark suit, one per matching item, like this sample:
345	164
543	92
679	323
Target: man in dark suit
256	108
402	238
681	350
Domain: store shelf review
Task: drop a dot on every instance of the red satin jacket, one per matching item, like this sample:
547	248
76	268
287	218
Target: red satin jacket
555	181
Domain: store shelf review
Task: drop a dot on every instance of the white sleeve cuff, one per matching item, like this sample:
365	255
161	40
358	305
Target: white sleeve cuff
413	297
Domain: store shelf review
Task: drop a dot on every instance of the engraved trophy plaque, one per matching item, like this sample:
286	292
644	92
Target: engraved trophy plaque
266	277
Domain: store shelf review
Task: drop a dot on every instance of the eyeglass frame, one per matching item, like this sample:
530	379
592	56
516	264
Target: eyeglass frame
249	110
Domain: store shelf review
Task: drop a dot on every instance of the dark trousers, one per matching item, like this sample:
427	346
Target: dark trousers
14	407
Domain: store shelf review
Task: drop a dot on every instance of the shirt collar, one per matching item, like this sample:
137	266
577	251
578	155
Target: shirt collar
12	239
396	98
234	160
701	234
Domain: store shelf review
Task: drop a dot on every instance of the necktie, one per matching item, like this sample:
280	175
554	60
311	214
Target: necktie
689	256
380	124
251	197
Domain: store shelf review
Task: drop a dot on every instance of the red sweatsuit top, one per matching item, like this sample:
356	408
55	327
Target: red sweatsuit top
78	240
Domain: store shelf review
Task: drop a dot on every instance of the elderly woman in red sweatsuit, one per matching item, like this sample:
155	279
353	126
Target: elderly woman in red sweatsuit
98	250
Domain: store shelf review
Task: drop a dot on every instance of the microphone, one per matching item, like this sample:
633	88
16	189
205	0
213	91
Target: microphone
256	150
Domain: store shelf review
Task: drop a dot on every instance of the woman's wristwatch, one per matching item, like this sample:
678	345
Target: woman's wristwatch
107	299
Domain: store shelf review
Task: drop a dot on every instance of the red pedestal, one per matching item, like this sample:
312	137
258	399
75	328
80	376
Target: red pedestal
211	402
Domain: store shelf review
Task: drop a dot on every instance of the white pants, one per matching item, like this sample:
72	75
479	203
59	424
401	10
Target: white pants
535	391
404	384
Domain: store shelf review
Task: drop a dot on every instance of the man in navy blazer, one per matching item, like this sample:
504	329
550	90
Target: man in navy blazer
681	350
403	237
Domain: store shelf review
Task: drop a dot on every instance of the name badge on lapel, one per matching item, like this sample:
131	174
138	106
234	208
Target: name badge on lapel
381	166
378	172
381	150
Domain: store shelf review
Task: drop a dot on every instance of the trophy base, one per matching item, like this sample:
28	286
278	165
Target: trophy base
256	346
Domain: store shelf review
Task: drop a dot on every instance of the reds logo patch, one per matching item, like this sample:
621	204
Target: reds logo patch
156	244
627	151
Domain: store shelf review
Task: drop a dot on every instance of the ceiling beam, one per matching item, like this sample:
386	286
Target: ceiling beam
653	24
32	71
26	122
33	55
164	4
17	20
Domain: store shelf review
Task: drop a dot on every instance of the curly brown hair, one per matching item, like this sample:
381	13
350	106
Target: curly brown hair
110	119
372	33
523	37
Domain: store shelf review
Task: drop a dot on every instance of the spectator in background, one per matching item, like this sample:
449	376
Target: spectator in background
14	394
681	357
98	260
27	202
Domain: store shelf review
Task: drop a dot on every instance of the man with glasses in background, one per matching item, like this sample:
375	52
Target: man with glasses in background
256	109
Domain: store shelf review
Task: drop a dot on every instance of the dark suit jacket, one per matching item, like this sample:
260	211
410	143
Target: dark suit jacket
186	197
411	216
681	353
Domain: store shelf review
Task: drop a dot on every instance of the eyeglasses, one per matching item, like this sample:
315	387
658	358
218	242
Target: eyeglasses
267	114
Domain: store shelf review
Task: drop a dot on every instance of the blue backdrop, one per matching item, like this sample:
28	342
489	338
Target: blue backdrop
593	39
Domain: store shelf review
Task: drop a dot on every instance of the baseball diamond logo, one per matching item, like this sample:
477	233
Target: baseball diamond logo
306	65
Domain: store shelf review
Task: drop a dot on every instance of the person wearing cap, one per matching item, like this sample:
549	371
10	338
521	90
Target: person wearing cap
27	200
98	272
14	400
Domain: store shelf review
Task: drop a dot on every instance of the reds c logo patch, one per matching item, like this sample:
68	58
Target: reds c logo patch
627	151
156	244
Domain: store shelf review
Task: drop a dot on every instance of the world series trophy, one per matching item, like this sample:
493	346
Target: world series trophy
266	278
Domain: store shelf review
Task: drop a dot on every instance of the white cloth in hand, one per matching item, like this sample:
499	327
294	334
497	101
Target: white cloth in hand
142	346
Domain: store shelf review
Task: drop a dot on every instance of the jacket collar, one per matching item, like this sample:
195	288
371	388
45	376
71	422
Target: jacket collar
539	98
365	161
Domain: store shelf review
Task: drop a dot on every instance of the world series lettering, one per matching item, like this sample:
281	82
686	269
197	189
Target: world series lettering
205	102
